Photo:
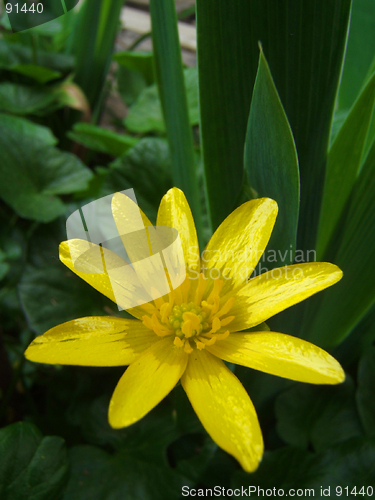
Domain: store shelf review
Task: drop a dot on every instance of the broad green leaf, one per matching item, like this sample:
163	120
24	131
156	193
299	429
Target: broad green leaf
146	114
38	73
145	168
344	161
365	392
31	466
172	93
271	161
143	62
24	100
26	128
101	139
348	464
51	295
317	416
359	52
33	174
304	44
14	54
339	309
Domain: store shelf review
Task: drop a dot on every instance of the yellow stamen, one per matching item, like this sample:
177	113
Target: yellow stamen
159	301
202	284
226	307
178	342
227	320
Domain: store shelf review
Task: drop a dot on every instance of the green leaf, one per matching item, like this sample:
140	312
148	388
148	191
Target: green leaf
145	168
24	100
32	466
100	476
148	438
33	173
26	128
344	161
339	309
318	416
146	113
140	456
38	73
172	93
101	139
365	392
304	43
359	52
142	62
271	161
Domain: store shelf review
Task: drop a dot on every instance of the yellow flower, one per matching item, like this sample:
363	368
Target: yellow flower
186	334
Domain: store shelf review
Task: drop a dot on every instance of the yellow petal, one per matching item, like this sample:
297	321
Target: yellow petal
146	382
174	211
281	355
106	272
272	292
92	341
130	222
224	408
239	242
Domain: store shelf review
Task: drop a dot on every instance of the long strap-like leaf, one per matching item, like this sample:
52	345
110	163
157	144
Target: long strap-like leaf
170	80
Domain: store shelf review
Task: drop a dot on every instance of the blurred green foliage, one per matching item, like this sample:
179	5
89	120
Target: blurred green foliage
295	123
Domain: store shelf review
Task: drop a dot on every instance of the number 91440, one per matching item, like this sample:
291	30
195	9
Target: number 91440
24	8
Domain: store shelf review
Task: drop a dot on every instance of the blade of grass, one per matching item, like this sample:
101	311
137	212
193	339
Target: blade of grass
353	248
344	161
92	44
171	87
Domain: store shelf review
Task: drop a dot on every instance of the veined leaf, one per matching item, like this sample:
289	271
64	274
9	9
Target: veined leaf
344	161
26	128
32	466
32	174
271	161
24	100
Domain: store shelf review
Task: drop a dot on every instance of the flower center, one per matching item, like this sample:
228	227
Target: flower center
195	315
188	320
